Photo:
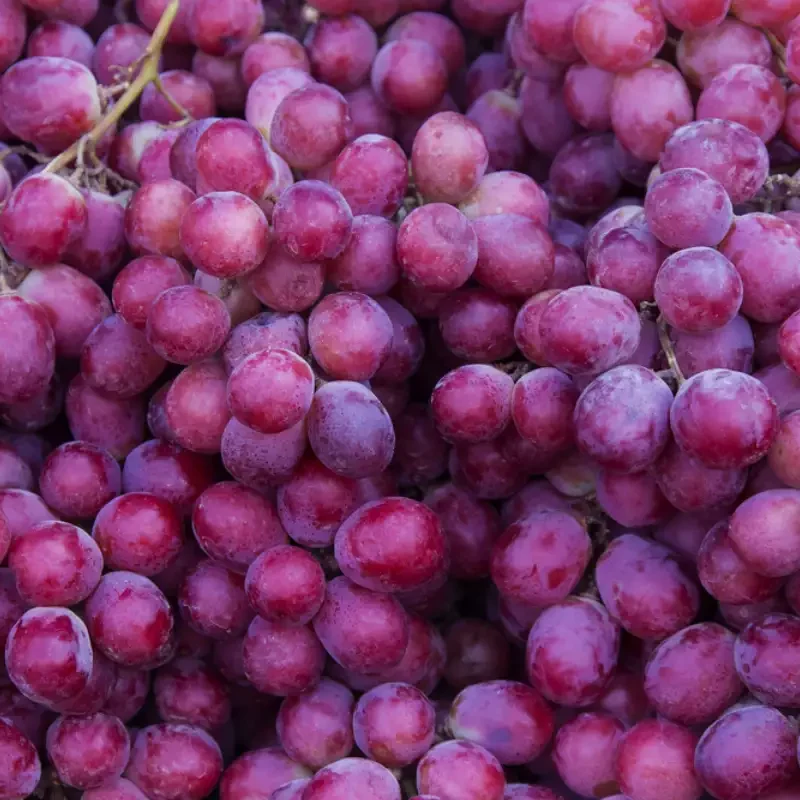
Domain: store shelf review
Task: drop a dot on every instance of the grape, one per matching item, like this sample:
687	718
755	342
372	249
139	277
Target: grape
23	232
632	499
545	120
725	576
50	102
48	655
271	51
587	91
704	53
341	51
472	403
437	247
765	659
654	762
698	290
618	35
645	588
372	175
516	257
733	764
583	753
476	652
497	115
569	346
260	773
550	28
409	76
166	470
213	602
268	91
539	559
509	719
174	762
350	431
88	751
690	678
186	324
285	585
478	325
394	724
21	766
260	460
709	422
282	659
763	534
284	283
119	789
571	652
461	769
130	620
112	424
392	545
507	193
641	124
748	94
622	418
729	347
55	564
315	728
153	218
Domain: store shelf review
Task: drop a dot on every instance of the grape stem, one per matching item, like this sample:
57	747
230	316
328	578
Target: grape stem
669	351
147	74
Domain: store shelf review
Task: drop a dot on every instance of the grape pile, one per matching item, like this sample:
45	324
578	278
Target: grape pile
399	399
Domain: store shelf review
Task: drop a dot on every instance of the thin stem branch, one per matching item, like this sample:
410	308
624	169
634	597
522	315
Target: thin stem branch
148	74
669	350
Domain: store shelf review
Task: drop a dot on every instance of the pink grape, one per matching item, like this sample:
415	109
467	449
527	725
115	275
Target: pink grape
480	712
725	576
415	555
393	724
569	346
170	761
690	678
572	651
527	570
461	766
645	587
315	728
130	620
409	76
48	655
715	395
733	771
654	760
618	35
622	418
748	94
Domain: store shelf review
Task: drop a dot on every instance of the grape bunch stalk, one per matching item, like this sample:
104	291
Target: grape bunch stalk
399	399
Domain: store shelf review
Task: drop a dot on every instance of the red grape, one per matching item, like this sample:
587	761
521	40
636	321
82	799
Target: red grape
725	576
175	762
746	753
654	761
462	769
618	35
315	728
213	602
86	752
48	655
725	419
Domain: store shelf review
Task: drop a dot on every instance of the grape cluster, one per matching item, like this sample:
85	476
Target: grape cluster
399	399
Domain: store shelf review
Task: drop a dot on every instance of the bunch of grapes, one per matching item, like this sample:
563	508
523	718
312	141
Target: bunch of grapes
399	399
